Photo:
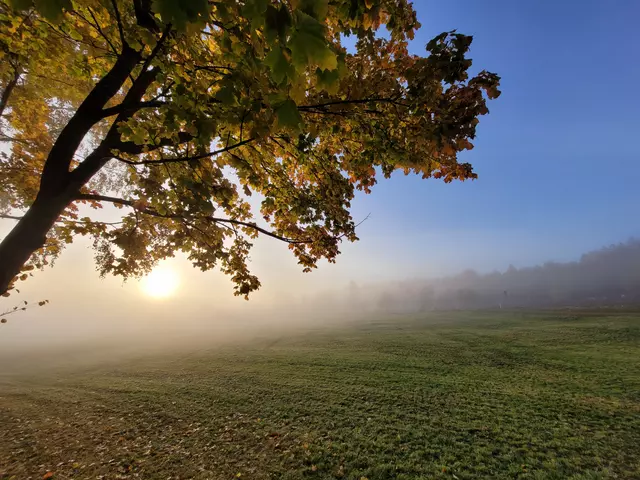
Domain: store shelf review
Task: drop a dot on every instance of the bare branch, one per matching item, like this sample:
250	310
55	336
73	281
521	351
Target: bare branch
10	217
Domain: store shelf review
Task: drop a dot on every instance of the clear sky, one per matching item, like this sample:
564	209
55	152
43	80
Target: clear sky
557	158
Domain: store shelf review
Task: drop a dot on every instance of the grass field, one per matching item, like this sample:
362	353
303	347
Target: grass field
453	396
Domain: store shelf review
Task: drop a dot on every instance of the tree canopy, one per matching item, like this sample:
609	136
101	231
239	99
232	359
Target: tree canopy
178	111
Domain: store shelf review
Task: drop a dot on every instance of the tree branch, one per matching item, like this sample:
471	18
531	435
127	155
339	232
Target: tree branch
164	91
67	220
130	108
119	20
144	17
135	149
355	102
175	216
7	138
157	48
6	93
185	159
56	168
212	68
100	31
68	84
10	217
63	35
102	154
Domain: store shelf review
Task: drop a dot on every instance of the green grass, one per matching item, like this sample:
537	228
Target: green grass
455	396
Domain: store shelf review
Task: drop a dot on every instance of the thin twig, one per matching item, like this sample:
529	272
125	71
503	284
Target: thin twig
157	48
97	25
347	102
66	220
119	20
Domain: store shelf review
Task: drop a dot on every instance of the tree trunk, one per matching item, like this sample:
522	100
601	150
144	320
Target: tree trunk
28	235
6	93
58	186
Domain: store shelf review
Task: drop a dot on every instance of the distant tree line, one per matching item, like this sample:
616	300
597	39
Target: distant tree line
606	277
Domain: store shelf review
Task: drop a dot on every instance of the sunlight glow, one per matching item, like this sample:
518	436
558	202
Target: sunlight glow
160	283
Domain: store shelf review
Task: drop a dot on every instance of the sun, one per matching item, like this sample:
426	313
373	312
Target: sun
160	283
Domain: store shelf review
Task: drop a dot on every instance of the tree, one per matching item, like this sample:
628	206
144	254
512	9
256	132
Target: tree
178	111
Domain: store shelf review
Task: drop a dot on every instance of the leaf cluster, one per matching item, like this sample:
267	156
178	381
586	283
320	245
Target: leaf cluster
229	100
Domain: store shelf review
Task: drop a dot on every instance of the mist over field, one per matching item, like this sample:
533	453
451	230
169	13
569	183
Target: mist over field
111	331
606	277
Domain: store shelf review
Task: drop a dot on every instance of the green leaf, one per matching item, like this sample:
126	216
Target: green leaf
226	95
309	46
277	97
52	9
325	58
139	136
255	7
73	33
179	14
254	11
279	65
21	4
329	80
277	22
288	115
316	8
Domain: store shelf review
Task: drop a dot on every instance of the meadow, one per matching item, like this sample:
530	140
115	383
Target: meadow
504	395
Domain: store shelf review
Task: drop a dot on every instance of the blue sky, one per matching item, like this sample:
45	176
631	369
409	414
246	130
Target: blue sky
557	158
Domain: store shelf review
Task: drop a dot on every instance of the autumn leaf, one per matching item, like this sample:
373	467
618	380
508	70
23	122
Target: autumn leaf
209	103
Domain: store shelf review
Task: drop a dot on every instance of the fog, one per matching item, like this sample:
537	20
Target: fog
97	320
606	277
